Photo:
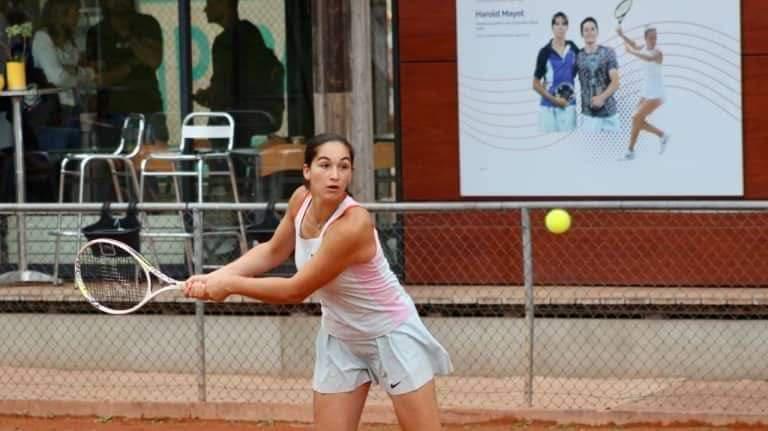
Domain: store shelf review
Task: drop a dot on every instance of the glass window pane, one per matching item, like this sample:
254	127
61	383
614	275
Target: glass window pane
239	64
245	64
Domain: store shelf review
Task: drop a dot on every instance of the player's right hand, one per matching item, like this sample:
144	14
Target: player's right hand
213	287
560	102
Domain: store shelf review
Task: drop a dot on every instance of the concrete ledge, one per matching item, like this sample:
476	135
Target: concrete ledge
488	295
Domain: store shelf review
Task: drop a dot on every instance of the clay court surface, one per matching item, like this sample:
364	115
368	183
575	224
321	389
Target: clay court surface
18	423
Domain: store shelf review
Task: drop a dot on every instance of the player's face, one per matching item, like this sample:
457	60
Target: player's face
650	39
560	28
330	173
589	33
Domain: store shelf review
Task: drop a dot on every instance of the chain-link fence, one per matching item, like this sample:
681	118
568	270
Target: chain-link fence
638	307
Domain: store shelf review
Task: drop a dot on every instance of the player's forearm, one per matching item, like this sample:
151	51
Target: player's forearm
542	91
643	56
273	290
629	41
257	260
612	87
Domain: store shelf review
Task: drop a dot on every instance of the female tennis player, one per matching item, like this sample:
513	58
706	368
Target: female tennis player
370	330
653	92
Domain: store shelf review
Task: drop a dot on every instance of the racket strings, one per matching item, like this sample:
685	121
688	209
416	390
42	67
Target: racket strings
623	8
115	280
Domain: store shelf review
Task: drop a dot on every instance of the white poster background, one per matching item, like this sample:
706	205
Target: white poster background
502	151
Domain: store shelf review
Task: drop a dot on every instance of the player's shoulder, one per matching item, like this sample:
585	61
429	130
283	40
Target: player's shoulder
355	220
606	52
544	50
573	46
296	200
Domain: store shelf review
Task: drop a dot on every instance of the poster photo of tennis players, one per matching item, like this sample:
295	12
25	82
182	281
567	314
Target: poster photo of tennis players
614	95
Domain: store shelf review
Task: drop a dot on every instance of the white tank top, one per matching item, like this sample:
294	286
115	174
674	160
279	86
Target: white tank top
654	82
363	302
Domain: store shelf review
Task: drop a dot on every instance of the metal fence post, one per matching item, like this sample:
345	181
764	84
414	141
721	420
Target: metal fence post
197	235
525	221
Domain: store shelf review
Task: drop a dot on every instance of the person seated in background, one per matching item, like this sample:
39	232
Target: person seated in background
247	76
126	49
56	55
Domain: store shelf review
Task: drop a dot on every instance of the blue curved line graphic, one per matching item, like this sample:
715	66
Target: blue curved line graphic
499	114
674	66
695	24
490	102
709	53
503	126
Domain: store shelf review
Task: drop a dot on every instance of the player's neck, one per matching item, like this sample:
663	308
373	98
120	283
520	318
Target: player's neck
318	214
590	48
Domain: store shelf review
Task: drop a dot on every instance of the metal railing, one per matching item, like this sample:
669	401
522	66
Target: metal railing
640	306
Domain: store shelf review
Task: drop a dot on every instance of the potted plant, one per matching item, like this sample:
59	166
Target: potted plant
18	35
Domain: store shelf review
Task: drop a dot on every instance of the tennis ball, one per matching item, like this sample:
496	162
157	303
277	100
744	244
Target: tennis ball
558	220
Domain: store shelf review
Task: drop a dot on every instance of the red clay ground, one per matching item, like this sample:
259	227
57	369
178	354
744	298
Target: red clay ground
20	423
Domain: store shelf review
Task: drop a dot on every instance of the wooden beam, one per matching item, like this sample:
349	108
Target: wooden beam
361	113
343	83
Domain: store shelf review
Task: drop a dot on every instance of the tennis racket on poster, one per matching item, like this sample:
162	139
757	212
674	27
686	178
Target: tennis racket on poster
116	279
566	91
622	10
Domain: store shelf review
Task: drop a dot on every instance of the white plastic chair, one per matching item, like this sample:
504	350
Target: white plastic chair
131	138
222	128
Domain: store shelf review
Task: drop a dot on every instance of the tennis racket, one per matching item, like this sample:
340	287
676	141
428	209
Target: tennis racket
565	90
622	10
116	279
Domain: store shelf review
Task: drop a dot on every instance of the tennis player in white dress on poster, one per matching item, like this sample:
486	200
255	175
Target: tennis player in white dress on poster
653	90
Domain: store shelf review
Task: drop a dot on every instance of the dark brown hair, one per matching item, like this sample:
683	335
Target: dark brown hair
559	15
50	20
316	141
586	20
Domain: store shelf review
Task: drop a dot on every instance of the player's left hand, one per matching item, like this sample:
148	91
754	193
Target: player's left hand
597	102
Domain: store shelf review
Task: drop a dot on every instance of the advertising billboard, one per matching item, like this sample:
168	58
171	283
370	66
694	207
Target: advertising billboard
599	98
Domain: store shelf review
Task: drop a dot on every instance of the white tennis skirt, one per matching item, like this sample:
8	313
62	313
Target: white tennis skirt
402	361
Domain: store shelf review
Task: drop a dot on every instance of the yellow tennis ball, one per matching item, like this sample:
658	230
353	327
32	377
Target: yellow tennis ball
558	220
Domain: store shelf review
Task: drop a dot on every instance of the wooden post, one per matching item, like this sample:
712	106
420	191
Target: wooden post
361	132
331	22
343	83
381	67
